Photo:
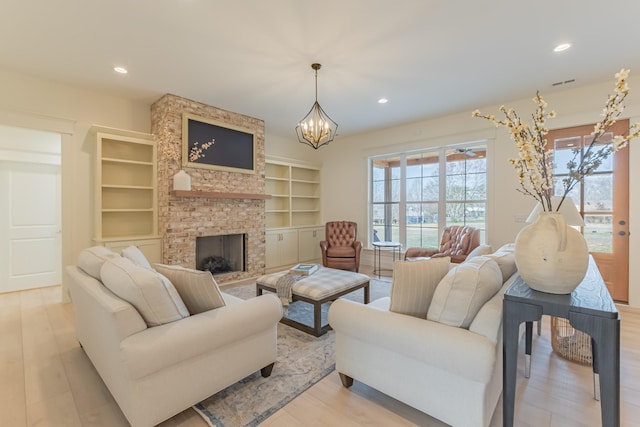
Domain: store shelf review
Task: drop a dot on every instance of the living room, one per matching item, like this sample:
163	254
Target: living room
46	103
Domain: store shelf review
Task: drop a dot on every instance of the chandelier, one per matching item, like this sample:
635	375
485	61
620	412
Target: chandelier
316	128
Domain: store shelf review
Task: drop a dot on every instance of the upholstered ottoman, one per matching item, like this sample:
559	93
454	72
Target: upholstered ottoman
324	285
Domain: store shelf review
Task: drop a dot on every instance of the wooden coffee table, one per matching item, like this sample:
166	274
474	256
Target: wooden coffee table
324	285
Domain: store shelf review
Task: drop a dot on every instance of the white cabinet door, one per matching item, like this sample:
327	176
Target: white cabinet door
288	247
281	248
271	249
309	243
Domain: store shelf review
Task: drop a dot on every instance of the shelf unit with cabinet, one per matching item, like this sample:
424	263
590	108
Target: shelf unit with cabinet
126	190
293	218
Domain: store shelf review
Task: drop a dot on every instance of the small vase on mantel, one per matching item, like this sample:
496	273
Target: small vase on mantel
182	181
551	256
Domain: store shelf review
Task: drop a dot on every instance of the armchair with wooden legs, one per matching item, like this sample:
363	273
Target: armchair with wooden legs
341	249
457	242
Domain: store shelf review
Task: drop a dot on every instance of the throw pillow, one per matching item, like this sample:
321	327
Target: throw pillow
414	283
198	289
479	250
91	260
135	255
152	294
506	259
464	290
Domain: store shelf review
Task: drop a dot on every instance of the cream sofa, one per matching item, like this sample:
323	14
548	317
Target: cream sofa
156	372
451	373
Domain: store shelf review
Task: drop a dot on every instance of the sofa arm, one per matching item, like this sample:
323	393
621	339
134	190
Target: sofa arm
166	345
445	347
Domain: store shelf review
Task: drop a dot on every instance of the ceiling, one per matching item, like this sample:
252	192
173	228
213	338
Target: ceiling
428	57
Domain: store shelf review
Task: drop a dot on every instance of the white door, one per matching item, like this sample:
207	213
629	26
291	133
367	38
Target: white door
30	225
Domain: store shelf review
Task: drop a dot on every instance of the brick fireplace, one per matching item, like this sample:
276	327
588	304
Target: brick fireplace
182	219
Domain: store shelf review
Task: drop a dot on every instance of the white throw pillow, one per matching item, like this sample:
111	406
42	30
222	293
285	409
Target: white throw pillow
135	255
506	259
478	251
198	289
91	260
414	283
464	290
148	291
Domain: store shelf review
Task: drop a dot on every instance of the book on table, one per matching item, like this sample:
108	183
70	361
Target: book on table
304	269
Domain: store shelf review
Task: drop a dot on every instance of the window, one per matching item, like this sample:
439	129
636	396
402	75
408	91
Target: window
414	196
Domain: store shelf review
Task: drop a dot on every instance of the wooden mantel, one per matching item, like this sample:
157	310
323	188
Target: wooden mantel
218	195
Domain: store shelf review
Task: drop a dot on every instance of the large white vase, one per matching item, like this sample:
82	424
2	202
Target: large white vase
551	256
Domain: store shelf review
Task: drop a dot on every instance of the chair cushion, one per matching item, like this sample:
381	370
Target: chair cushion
135	255
341	252
414	283
464	290
198	289
90	260
151	293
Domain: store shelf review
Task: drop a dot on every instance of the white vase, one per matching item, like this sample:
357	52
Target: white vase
551	256
182	181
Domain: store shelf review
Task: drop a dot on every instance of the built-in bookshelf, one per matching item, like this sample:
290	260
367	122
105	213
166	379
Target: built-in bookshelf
126	191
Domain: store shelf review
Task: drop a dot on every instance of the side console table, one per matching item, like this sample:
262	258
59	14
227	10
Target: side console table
590	309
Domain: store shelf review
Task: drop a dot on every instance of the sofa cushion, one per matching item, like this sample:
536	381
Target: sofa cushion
135	255
152	294
91	259
198	289
414	283
464	290
506	259
479	251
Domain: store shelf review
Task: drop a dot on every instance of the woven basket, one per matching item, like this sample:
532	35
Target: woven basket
570	343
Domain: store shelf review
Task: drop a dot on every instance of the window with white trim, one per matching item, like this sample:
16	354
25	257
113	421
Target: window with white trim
414	196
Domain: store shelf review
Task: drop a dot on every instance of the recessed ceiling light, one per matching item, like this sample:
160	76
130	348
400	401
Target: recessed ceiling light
383	101
120	70
562	47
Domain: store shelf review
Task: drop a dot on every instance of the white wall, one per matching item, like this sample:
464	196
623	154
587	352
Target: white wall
35	103
345	174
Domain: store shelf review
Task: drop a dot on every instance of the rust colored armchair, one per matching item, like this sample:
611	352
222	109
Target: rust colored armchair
341	250
457	242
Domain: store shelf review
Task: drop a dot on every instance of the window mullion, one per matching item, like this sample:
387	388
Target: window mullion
402	208
442	195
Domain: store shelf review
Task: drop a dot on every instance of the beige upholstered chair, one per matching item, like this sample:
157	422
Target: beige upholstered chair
457	242
341	250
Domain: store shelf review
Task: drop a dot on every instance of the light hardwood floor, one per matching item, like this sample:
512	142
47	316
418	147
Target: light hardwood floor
46	380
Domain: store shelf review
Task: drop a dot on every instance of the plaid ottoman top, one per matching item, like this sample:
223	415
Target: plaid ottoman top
320	284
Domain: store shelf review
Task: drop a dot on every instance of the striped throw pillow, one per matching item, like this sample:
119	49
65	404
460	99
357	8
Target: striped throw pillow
414	283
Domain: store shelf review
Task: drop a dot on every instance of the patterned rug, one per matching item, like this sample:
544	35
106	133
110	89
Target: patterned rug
302	361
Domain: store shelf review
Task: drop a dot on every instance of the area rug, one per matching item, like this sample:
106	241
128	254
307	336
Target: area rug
302	361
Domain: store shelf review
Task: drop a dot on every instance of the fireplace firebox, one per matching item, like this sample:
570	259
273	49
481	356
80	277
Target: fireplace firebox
221	254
